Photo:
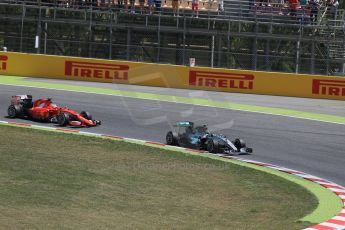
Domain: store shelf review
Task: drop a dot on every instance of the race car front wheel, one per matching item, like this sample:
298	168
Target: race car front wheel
239	143
63	119
86	115
212	146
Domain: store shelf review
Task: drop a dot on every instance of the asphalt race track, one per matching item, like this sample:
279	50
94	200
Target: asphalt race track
331	107
313	147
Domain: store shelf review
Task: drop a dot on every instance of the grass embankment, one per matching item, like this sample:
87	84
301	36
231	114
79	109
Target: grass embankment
62	181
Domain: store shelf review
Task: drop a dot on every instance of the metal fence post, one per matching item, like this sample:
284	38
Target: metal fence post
90	32
219	61
343	45
128	43
327	60
267	55
184	41
298	46
228	45
45	37
22	28
39	29
312	60
255	47
158	38
212	44
298	50
111	35
343	53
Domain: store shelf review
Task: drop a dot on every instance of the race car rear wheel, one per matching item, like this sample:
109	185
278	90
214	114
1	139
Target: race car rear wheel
11	111
212	146
86	115
239	143
170	139
63	119
15	111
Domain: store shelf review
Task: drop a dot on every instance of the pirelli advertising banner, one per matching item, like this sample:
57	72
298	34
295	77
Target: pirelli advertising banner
136	73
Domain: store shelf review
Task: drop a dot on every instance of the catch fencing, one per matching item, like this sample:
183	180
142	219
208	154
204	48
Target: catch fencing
251	39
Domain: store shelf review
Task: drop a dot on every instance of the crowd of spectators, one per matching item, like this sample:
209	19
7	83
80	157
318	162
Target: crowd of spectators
146	6
301	8
305	9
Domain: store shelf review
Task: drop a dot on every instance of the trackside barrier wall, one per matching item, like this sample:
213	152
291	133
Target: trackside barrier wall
172	76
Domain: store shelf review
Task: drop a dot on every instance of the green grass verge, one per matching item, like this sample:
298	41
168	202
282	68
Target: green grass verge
66	181
12	80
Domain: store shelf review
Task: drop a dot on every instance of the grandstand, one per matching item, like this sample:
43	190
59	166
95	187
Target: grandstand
252	35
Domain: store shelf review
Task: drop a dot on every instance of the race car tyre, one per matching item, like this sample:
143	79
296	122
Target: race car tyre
86	115
11	111
239	143
212	146
171	139
63	119
97	122
15	111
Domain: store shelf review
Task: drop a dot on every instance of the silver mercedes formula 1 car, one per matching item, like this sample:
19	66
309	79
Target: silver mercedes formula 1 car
186	135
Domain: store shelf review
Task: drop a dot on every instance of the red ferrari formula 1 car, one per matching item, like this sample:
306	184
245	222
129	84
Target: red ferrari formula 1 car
46	110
